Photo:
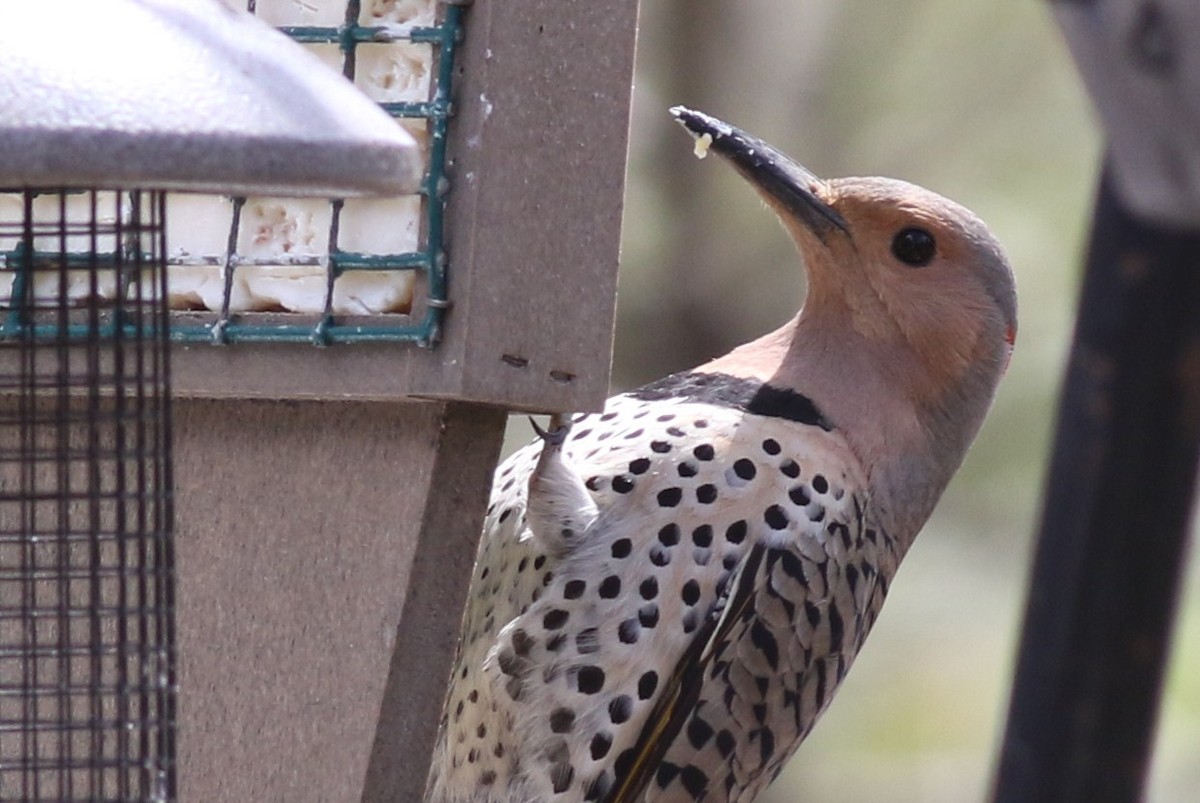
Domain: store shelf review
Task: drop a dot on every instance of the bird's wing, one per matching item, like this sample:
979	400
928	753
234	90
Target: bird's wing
682	690
771	672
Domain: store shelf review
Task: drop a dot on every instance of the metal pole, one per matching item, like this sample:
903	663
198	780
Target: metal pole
1114	528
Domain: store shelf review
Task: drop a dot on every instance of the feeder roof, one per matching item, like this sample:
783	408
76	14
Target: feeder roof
184	95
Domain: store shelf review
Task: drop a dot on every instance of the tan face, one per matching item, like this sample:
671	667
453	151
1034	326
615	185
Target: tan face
916	275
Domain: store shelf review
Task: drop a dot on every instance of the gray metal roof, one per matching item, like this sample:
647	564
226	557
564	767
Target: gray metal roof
184	95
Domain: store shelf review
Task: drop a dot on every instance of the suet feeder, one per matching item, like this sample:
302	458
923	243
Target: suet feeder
223	369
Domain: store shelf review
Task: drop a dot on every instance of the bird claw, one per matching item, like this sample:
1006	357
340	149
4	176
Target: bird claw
556	435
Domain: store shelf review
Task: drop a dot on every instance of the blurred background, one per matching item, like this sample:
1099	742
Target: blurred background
980	102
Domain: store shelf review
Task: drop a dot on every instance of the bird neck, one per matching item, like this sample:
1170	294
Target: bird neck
909	442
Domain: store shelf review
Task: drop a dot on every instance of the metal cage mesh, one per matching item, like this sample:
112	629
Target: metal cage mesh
87	678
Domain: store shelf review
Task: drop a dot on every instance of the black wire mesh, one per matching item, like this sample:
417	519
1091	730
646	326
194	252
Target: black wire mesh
87	685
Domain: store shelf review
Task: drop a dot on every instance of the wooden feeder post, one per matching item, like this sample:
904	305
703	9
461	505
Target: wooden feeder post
328	501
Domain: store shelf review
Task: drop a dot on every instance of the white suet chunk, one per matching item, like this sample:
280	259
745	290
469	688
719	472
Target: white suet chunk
411	13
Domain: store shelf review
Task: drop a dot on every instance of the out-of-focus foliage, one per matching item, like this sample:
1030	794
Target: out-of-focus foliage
980	102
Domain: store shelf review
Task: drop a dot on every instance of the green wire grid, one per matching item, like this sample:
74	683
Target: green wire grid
431	260
326	329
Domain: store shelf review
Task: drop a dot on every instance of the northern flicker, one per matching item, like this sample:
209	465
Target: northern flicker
668	593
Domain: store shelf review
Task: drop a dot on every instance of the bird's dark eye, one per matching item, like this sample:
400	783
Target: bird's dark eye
914	247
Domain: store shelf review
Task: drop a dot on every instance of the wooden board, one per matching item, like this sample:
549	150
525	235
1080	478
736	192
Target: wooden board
324	552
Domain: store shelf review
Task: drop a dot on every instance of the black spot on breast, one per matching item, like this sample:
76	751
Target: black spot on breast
799	496
648	615
820	484
639	466
690	592
622	484
790	468
686	469
601	743
675	432
621	548
706	494
555	618
703	535
574	589
649	588
589	679
669	535
611	587
745	468
660	555
704	452
771	446
562	720
661	447
776	518
736	533
620	708
670	497
629	631
647	684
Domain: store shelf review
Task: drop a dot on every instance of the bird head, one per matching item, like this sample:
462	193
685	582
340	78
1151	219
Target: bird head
909	321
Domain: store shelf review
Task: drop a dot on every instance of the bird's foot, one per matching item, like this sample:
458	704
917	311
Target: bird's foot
556	433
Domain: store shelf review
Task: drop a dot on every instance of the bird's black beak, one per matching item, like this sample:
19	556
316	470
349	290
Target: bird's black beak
790	185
